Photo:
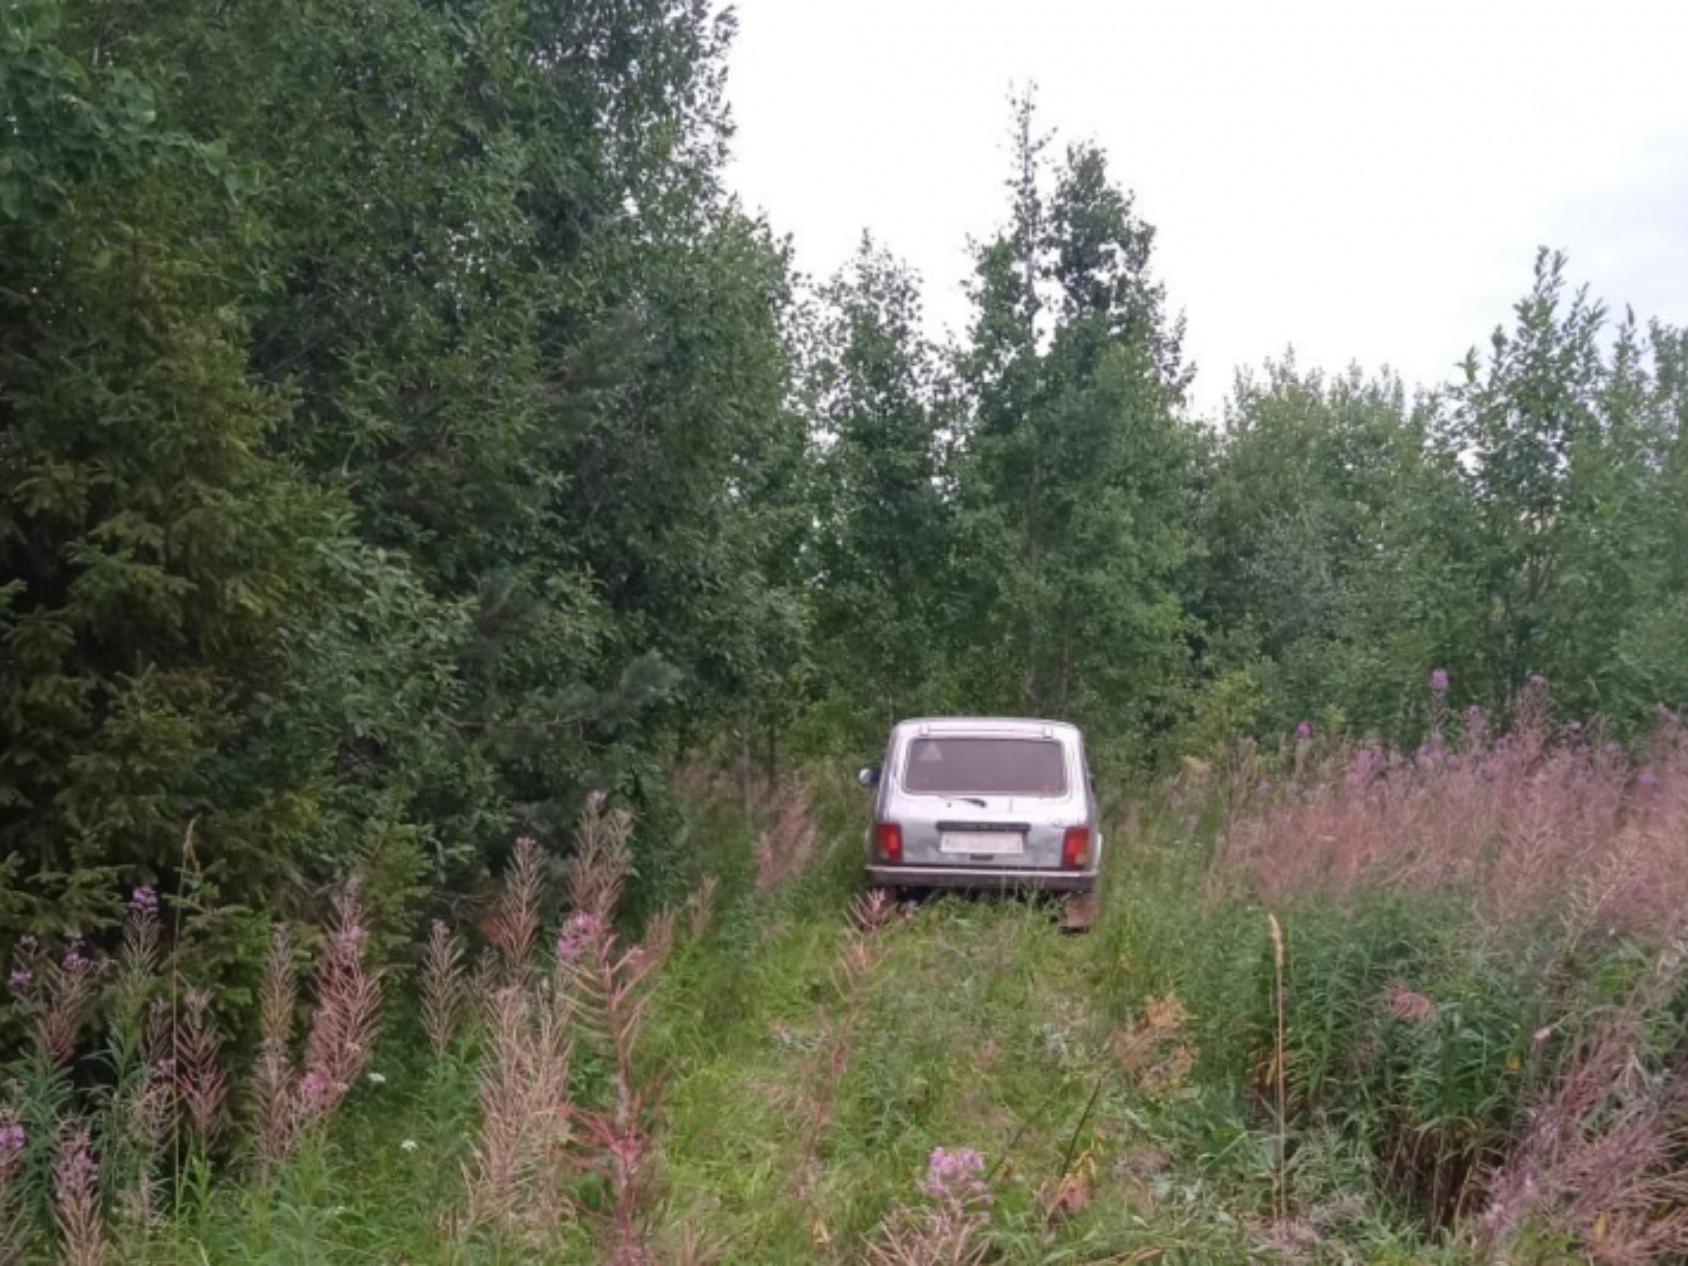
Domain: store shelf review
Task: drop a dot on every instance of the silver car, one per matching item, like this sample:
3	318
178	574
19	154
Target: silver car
983	802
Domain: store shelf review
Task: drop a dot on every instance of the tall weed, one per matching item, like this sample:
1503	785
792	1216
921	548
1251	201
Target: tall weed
1463	930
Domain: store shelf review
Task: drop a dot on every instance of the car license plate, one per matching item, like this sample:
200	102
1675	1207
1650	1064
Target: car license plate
979	843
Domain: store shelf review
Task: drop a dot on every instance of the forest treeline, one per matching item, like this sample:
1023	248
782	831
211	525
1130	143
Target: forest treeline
404	431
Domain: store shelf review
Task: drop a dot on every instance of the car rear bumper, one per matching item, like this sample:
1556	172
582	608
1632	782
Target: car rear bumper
981	877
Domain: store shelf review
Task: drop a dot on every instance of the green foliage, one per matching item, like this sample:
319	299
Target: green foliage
1525	522
396	441
1572	443
807	1069
885	551
1313	483
159	553
1437	1095
405	433
1420	1037
1075	481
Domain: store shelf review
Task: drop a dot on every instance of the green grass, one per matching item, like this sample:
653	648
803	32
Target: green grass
980	1024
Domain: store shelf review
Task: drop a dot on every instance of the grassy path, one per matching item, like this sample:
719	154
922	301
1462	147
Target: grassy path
840	1059
815	1067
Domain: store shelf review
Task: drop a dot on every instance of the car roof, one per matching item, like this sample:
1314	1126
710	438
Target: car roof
986	725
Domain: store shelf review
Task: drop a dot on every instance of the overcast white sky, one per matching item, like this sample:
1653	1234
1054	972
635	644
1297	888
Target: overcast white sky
1364	181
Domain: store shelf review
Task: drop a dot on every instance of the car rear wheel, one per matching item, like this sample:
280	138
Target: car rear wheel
1079	911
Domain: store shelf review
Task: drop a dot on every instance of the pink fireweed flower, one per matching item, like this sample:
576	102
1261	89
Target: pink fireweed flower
348	1002
953	1172
76	1168
578	934
1304	731
314	1092
19	978
1432	752
67	987
1439	680
144	900
76	1202
1368	762
12	1140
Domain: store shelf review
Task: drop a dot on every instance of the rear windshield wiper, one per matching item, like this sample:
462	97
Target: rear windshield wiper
978	800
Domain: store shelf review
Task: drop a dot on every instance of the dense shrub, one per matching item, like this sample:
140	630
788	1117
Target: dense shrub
383	386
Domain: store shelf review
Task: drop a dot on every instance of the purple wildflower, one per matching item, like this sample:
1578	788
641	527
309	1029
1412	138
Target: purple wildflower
1538	681
577	936
28	944
12	1140
1304	731
144	900
1439	680
75	961
79	1167
1431	752
1368	762
314	1091
953	1171
20	978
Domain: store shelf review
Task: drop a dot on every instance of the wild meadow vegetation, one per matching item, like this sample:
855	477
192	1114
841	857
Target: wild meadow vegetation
450	560
1342	1003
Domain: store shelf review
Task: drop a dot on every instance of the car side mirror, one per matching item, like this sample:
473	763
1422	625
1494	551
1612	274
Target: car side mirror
868	775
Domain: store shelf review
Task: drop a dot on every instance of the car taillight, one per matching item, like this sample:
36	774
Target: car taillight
1074	845
888	840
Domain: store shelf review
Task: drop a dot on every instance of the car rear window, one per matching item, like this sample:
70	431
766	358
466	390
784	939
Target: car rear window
985	766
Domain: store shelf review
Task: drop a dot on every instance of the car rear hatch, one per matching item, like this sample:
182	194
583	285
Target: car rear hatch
987	800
